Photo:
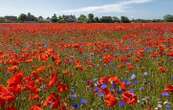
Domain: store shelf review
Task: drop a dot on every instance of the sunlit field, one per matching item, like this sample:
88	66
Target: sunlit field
86	66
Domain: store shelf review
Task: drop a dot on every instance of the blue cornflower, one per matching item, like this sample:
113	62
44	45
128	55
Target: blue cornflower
135	82
121	103
100	94
132	90
127	82
168	106
83	101
141	88
165	94
96	89
113	86
104	86
73	96
76	106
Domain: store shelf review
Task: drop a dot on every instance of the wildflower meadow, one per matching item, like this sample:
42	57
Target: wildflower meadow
75	66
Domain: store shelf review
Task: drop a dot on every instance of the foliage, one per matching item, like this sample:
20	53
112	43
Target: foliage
106	19
90	18
27	18
115	19
54	18
125	19
82	19
168	18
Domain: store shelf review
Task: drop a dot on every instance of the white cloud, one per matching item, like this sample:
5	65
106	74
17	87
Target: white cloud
116	7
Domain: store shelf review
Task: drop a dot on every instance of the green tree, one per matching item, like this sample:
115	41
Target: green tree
27	17
61	19
106	19
82	19
54	18
22	17
90	18
40	19
115	19
96	19
31	17
157	20
125	19
168	18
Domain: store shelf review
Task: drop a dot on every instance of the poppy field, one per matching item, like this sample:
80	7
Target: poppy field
86	66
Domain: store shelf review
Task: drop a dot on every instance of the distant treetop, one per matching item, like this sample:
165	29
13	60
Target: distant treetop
90	18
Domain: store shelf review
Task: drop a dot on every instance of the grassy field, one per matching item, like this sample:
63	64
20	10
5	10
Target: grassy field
86	66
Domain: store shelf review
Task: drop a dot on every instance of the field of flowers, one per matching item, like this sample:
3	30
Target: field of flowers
86	66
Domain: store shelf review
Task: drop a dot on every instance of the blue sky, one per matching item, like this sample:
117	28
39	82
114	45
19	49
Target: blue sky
131	8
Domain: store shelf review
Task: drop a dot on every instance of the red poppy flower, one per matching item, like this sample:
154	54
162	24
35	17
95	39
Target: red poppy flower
169	88
44	57
15	89
34	97
36	107
114	79
30	85
57	59
53	80
162	69
40	69
170	54
78	65
29	60
16	79
123	86
103	80
5	95
62	88
110	100
12	68
107	59
130	66
129	98
52	100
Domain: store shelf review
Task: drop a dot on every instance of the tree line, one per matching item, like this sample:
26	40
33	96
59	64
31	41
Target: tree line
90	18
